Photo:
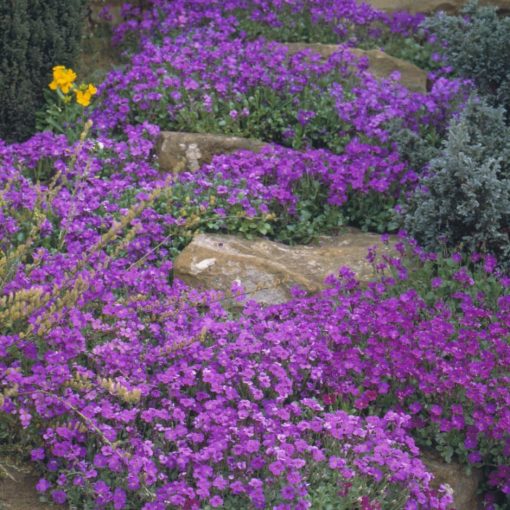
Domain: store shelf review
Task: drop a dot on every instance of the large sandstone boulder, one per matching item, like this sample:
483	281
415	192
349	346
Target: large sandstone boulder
464	486
380	64
188	151
268	270
430	6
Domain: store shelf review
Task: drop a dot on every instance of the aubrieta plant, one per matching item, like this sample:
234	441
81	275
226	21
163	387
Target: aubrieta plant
135	379
137	392
315	21
205	81
103	317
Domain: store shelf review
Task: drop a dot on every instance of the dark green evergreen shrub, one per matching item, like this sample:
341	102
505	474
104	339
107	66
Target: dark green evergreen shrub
477	45
465	201
35	35
416	149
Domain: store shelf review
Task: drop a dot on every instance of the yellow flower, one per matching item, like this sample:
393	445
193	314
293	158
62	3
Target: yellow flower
84	94
63	79
57	74
82	98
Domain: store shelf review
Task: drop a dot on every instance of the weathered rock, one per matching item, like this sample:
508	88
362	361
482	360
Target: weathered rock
430	6
464	486
380	63
268	270
188	151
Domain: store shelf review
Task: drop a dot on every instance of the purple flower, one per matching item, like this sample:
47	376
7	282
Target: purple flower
42	485
277	467
489	263
336	462
119	499
288	492
216	501
436	282
474	457
436	410
457	258
59	497
37	454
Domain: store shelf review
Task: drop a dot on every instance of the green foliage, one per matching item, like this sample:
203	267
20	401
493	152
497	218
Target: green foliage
416	50
35	35
271	115
314	215
371	212
199	211
465	202
299	27
475	44
436	278
417	149
329	491
296	26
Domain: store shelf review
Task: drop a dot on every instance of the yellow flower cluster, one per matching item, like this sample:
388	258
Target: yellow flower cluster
64	79
84	94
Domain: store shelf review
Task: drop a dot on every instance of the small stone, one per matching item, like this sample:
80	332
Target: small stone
381	65
177	152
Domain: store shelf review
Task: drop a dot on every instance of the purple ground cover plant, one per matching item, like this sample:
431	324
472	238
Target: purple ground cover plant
136	391
206	81
134	379
326	21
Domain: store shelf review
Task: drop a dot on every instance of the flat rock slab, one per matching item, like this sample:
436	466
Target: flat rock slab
380	64
431	6
464	486
268	270
178	151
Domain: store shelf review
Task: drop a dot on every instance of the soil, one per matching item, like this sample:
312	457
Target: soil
18	492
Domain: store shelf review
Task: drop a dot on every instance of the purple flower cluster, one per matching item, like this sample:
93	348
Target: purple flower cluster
346	19
144	393
206	80
272	175
183	404
138	384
